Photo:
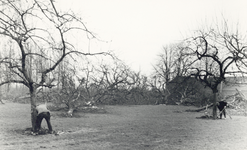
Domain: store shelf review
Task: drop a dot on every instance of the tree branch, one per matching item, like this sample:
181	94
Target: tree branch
13	81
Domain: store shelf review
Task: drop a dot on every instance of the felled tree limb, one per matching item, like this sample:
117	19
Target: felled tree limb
201	109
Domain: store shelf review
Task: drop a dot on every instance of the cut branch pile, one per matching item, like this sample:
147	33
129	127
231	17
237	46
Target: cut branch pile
237	103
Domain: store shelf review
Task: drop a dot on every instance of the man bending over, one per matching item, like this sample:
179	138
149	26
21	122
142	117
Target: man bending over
43	112
222	108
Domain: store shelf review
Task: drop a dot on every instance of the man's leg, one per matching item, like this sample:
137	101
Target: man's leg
224	113
47	118
38	122
221	114
220	109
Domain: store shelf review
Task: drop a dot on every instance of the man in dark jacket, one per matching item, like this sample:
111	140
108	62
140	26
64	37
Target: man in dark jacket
43	112
222	108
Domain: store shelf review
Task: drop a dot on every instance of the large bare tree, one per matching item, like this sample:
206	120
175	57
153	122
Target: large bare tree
218	52
40	32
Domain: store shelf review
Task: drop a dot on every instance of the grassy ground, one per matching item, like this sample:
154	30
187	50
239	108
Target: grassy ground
156	127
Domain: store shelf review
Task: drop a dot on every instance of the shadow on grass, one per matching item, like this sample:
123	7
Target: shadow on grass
28	131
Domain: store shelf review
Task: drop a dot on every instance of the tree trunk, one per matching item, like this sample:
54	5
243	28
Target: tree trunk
71	110
33	106
215	105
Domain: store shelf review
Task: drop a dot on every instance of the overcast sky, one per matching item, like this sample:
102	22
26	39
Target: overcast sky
136	30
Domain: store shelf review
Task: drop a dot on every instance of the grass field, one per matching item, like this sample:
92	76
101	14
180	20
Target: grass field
154	127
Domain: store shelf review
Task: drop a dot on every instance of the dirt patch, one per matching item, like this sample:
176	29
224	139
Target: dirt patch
157	127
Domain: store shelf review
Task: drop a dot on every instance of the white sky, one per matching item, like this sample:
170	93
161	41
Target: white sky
136	30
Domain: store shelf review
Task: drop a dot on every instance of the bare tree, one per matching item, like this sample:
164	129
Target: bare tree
111	80
70	92
39	31
217	53
113	83
172	62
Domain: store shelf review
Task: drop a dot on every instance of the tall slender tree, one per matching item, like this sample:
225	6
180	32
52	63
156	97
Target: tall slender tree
172	62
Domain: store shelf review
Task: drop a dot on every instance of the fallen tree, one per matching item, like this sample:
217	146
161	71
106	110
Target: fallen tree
202	108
